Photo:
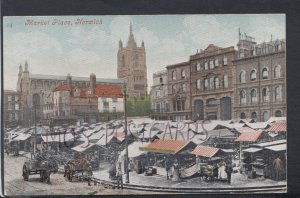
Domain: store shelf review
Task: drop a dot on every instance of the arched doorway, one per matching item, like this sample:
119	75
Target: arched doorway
278	113
265	116
225	103
199	111
242	115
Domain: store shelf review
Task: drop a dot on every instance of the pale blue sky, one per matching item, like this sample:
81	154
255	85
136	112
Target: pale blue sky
84	49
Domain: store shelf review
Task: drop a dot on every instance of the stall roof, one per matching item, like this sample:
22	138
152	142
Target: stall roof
257	125
265	144
167	146
220	133
275	119
58	138
83	147
252	150
22	137
205	151
245	130
133	149
277	127
279	147
249	136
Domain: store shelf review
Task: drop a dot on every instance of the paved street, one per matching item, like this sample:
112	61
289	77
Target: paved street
15	185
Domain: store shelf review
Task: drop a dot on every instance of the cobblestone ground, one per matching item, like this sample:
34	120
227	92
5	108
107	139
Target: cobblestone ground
15	185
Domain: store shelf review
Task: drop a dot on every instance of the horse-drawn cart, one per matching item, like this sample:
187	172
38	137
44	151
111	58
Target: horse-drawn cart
43	167
78	169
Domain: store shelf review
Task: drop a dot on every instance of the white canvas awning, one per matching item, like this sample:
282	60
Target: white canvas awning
252	150
58	138
22	137
83	147
280	147
133	149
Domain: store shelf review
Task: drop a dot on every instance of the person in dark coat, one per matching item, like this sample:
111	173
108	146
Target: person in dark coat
229	170
167	166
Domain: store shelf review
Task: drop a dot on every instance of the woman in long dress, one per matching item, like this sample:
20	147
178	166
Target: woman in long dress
221	171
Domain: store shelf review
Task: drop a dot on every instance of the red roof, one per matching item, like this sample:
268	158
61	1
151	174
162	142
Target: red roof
108	91
249	136
166	146
205	151
62	88
277	127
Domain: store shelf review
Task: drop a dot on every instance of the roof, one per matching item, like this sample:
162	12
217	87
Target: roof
220	133
58	138
205	151
275	119
133	149
62	88
83	147
280	147
249	136
245	130
74	78
23	137
166	146
277	127
252	150
211	48
108	91
265	144
257	125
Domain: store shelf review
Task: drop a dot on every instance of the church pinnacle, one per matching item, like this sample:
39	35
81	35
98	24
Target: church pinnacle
131	42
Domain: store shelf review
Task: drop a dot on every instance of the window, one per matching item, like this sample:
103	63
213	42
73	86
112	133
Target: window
254	115
265	73
242	97
16	106
265	95
253	75
183	88
206	83
205	65
278	113
160	80
183	74
174	89
211	83
217	83
225	60
211	102
242	76
225	81
277	93
157	107
16	98
242	115
216	62
10	106
114	100
157	93
253	96
277	71
211	64
265	116
9	98
174	75
198	67
198	84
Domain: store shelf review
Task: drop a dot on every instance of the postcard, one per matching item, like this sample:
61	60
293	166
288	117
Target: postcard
144	104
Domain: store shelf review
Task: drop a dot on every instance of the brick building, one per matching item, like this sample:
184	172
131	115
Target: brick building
12	109
179	91
211	83
159	96
260	79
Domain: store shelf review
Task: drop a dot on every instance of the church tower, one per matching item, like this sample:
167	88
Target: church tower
132	66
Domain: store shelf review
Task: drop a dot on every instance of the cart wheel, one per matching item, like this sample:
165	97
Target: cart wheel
25	173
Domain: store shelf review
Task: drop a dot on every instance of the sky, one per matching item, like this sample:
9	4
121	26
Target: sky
82	49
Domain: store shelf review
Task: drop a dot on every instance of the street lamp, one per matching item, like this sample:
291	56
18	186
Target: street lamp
126	137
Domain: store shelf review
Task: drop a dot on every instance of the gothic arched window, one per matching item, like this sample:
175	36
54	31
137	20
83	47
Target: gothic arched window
242	97
277	93
253	75
243	76
265	95
253	96
265	73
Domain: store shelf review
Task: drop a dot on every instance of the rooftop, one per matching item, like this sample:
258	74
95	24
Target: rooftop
205	151
166	146
249	136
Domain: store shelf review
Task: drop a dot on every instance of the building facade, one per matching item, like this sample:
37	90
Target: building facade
159	96
36	92
179	91
260	79
211	83
132	66
12	109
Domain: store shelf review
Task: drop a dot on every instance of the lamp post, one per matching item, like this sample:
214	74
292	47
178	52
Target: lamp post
126	137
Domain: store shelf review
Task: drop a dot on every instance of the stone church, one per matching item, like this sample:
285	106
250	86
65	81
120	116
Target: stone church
36	91
132	66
